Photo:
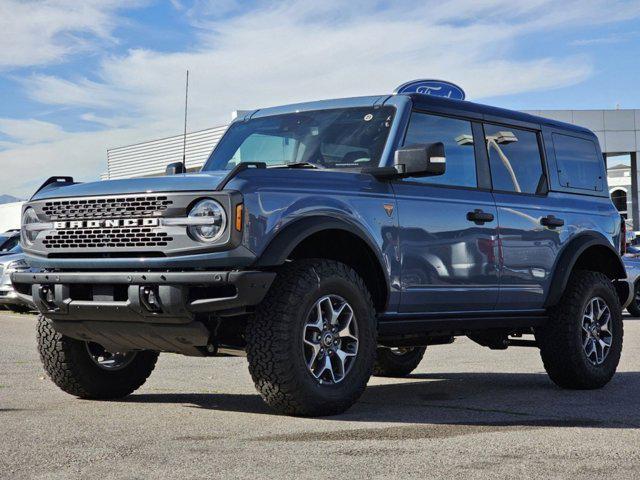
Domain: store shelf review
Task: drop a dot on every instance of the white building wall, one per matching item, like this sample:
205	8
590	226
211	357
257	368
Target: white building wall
10	216
151	158
617	130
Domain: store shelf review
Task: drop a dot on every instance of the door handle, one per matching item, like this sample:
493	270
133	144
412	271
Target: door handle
479	217
551	221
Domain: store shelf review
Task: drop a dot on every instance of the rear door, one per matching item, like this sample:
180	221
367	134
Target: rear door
448	253
530	219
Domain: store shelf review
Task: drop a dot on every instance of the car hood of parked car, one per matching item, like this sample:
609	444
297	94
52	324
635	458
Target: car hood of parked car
8	258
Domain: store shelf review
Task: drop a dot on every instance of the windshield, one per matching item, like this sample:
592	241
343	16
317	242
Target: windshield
339	138
7	244
16	249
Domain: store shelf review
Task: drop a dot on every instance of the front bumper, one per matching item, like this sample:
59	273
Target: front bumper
10	297
152	297
114	308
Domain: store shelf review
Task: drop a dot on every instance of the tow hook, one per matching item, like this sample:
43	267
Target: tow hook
150	299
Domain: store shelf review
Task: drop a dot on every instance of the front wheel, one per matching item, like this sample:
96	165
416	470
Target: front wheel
397	362
634	306
87	370
581	344
311	343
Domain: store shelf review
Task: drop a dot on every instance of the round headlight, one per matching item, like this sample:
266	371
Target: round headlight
209	221
29	217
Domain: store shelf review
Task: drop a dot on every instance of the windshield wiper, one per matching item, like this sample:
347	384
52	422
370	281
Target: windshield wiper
299	165
260	165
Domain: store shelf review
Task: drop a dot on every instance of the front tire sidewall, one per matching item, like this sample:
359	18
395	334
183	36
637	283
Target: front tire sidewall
360	370
68	364
275	347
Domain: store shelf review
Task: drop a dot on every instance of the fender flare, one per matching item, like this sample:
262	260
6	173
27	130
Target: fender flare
569	257
283	244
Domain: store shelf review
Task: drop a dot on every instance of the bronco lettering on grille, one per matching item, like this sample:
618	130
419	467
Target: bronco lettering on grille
111	223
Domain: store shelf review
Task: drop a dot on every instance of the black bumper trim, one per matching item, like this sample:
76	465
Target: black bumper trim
172	290
133	278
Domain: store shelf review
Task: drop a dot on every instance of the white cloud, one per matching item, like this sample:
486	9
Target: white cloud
81	155
605	40
28	132
36	32
298	50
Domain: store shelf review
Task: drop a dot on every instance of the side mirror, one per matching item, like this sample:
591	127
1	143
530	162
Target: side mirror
420	160
175	168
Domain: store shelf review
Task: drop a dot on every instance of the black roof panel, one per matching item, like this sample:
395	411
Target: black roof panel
489	113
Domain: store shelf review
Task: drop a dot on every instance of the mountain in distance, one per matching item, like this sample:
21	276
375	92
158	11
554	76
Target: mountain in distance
8	199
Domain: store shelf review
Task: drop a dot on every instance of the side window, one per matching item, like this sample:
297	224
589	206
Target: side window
457	137
579	165
514	157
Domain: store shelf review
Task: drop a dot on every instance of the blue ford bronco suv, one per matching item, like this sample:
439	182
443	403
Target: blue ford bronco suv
334	240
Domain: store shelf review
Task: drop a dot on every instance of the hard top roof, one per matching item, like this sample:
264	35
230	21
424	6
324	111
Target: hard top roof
426	102
489	113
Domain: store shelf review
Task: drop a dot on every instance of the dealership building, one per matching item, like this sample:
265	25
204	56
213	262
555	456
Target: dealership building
618	132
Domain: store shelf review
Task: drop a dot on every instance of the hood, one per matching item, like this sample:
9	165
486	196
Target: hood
8	258
189	182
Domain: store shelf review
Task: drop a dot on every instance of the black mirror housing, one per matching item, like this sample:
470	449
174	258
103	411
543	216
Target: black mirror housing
175	168
421	160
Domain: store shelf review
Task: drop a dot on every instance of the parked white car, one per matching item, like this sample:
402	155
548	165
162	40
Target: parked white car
9	241
632	265
11	260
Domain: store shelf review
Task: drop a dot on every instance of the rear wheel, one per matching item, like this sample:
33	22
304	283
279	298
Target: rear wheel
87	370
634	306
311	343
397	362
582	342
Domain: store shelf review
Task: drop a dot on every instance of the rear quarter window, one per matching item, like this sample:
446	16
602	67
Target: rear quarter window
579	164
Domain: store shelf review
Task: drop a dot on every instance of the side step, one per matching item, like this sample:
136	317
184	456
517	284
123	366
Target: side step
391	325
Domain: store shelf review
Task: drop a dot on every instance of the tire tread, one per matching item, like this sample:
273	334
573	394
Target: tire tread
268	332
67	364
567	366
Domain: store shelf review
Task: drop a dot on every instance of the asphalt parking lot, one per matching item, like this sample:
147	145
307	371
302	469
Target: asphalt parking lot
467	412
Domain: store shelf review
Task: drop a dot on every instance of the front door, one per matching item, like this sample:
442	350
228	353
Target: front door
448	235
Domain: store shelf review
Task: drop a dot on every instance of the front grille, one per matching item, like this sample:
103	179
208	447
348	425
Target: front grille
120	207
106	238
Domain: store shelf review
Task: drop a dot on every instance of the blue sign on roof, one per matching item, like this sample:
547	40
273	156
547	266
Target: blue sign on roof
438	88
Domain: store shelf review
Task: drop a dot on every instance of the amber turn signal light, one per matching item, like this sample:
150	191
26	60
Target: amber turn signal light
239	211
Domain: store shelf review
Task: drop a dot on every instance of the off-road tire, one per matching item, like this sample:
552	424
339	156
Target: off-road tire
67	362
390	364
560	340
274	339
634	307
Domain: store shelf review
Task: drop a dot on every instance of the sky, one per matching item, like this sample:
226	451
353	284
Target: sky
77	78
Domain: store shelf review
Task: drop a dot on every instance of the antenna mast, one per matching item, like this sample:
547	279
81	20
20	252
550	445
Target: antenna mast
184	139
